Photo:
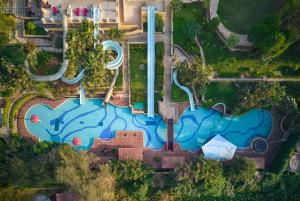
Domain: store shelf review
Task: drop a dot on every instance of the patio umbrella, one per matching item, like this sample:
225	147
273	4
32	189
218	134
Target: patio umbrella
218	148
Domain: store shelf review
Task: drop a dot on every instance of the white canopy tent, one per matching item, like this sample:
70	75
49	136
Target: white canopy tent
218	148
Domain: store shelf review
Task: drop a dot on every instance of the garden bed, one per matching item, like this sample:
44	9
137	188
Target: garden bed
46	63
34	29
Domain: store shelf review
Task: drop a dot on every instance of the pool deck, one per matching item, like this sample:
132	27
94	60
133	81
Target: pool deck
130	143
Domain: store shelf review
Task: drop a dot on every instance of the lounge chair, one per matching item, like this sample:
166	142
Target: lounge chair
54	11
84	12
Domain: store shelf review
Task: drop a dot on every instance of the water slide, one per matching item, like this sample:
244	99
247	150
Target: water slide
186	90
82	94
64	66
151	60
75	79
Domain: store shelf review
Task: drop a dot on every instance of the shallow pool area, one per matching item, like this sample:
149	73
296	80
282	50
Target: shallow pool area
193	129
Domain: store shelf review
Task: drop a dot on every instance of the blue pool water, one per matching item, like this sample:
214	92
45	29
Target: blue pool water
192	130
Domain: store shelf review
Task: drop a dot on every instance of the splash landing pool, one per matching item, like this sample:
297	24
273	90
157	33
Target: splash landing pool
193	129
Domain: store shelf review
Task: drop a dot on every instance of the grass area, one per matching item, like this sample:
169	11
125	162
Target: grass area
138	73
34	29
119	82
159	73
240	16
46	63
159	24
178	95
224	92
224	62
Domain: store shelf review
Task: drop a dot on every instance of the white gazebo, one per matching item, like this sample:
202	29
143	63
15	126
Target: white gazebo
218	148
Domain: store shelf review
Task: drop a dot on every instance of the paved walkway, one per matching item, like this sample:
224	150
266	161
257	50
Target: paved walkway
213	8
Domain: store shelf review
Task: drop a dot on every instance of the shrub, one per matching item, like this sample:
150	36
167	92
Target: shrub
6	112
30	26
286	151
213	24
156	159
16	107
232	41
30	47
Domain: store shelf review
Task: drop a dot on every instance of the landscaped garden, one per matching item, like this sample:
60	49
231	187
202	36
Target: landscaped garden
191	21
241	16
46	63
34	29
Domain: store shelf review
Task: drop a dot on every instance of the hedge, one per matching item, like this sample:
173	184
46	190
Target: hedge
281	161
16	107
6	112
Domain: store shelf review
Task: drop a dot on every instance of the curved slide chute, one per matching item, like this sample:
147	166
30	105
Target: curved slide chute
75	79
115	46
186	90
64	66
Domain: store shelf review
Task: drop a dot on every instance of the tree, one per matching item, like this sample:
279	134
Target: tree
203	177
192	29
134	180
82	54
213	24
272	37
117	34
7	25
232	41
30	47
4	39
74	171
176	5
241	172
262	95
195	75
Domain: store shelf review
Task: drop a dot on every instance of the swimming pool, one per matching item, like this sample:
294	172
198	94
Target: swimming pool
192	130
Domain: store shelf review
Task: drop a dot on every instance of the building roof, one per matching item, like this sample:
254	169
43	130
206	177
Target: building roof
171	162
130	154
218	148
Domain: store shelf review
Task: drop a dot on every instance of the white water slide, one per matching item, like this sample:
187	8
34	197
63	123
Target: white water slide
151	60
186	90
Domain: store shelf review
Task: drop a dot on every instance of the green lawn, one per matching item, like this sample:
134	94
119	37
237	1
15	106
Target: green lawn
178	95
138	73
224	62
37	30
224	92
241	15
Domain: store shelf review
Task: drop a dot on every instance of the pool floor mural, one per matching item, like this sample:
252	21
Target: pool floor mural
192	130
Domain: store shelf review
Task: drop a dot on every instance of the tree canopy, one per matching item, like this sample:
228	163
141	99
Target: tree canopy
74	171
82	54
